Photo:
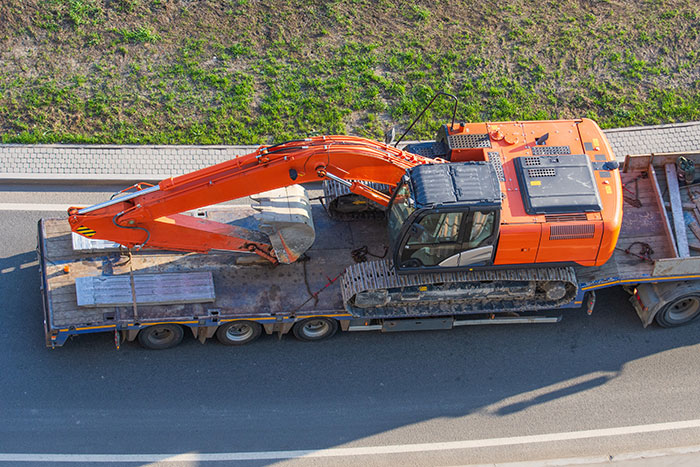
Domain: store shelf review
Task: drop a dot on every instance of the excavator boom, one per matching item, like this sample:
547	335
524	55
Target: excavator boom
151	216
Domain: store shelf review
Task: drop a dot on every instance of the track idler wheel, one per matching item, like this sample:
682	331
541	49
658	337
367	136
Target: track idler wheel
554	290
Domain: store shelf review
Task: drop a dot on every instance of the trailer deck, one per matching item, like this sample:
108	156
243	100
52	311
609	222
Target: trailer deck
645	223
245	286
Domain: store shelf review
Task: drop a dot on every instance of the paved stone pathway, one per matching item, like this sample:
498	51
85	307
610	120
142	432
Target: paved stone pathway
677	137
83	162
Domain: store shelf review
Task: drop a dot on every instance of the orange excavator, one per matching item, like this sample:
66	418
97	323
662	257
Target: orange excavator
488	211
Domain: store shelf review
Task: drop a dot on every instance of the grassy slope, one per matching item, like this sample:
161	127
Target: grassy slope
246	71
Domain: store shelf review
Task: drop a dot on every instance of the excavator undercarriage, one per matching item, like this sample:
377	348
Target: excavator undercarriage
374	289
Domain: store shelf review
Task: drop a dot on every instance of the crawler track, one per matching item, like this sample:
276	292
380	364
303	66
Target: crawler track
373	289
343	205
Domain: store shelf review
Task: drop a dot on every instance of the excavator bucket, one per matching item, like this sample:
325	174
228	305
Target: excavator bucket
284	215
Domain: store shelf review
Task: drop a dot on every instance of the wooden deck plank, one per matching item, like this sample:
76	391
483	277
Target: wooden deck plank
55	299
656	239
53	227
662	210
657	243
677	211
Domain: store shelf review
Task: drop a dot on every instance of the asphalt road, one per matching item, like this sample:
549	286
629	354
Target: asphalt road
355	390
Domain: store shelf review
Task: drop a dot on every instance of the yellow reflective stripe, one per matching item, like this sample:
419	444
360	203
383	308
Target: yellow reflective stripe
85	231
114	325
96	327
170	322
107	326
324	316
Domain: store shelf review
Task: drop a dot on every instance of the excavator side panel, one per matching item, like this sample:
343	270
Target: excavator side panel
576	242
518	244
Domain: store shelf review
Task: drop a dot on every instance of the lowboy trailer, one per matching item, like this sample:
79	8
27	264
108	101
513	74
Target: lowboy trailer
158	296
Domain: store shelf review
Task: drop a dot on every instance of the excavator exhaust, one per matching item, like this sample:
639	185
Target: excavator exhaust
285	216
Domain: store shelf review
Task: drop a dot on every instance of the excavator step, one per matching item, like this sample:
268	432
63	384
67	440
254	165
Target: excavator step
435	324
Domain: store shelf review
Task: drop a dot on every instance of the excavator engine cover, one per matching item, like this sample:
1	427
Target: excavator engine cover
557	184
284	215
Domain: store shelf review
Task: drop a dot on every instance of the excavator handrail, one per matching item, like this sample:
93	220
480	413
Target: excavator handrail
454	113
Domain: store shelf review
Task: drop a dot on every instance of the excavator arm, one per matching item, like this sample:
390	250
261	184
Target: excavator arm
150	216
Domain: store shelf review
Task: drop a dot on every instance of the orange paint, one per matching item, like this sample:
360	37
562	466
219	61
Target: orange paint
524	238
155	214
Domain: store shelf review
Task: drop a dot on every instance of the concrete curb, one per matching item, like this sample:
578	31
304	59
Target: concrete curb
139	147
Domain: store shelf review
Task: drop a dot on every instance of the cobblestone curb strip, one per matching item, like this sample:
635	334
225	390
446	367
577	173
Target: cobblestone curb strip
108	163
60	163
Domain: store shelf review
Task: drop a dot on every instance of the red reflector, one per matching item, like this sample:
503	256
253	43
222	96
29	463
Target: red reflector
639	299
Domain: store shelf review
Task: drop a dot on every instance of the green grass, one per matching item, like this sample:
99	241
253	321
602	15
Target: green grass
237	72
136	35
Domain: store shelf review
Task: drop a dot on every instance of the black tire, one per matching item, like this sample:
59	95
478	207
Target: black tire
679	311
238	332
161	336
315	329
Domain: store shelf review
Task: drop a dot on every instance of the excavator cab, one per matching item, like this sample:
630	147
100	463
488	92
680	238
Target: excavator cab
445	217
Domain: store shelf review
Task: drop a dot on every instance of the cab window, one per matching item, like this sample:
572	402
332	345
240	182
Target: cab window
432	239
401	209
441	239
436	228
481	228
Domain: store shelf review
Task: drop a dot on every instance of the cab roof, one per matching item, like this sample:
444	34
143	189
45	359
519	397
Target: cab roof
472	183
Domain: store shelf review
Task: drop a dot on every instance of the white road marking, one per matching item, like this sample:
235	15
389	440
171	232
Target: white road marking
354	451
34	207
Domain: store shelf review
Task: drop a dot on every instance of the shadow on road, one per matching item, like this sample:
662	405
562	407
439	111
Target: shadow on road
284	394
554	394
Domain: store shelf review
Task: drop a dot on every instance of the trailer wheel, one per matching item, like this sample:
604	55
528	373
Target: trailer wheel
681	310
161	336
315	329
238	332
